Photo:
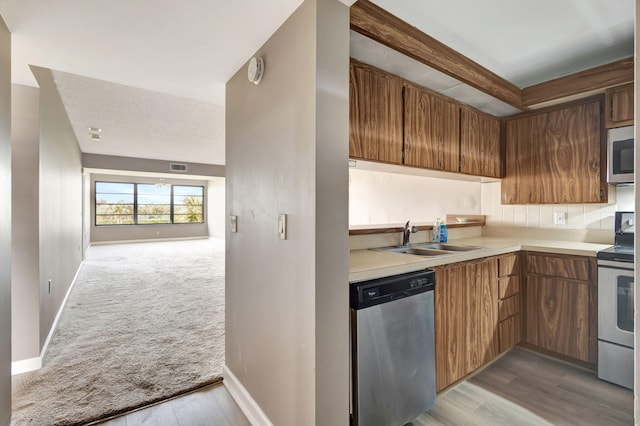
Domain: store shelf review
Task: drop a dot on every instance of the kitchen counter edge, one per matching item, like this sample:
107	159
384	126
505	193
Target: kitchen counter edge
366	264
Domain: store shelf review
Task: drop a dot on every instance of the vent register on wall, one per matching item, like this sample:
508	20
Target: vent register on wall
178	167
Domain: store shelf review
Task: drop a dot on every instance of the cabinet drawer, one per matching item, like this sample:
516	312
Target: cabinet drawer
508	307
573	268
508	265
508	286
509	333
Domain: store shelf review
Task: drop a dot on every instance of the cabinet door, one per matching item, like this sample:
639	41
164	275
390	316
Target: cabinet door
479	143
519	183
375	115
556	157
557	315
619	106
431	130
466	318
450	320
482	308
509	333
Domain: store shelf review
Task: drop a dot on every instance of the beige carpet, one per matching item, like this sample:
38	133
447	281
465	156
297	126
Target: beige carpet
144	322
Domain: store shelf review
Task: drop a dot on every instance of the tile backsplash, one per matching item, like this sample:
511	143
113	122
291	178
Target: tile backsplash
578	216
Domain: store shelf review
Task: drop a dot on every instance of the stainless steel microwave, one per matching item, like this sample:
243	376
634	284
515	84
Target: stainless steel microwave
621	154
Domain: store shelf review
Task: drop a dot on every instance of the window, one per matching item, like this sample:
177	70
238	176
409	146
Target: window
154	204
114	203
146	204
187	204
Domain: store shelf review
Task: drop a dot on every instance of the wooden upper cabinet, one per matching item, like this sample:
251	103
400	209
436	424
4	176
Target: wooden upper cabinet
619	106
556	156
479	143
375	114
431	130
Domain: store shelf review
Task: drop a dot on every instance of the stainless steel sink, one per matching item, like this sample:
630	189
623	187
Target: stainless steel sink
445	246
430	249
419	251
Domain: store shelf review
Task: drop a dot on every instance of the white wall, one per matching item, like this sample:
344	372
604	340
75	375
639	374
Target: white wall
286	152
5	224
215	208
383	198
380	198
580	216
25	275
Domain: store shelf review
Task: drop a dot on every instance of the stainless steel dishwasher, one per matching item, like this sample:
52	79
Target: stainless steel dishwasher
392	349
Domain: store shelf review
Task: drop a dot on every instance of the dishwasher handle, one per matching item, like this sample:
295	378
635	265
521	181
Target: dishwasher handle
365	294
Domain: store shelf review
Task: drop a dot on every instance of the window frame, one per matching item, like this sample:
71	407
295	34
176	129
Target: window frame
136	204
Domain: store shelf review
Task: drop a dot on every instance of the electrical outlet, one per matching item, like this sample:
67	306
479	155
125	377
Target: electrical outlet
233	223
560	218
282	226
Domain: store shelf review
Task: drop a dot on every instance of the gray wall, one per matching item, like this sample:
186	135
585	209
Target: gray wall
332	213
25	278
286	152
143	232
106	162
5	224
60	201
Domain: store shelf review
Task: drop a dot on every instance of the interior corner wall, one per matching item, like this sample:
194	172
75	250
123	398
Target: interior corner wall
280	136
270	169
5	224
215	208
144	232
60	200
25	279
332	214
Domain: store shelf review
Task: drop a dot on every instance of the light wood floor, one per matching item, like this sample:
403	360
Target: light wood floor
206	407
521	388
526	388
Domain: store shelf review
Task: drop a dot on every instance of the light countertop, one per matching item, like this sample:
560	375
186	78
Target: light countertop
369	264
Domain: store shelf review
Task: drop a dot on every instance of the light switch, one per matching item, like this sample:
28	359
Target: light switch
282	226
233	223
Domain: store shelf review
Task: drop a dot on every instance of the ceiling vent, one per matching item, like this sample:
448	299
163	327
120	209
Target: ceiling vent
177	167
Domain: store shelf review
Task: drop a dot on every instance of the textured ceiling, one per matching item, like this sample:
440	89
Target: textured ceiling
526	42
185	48
141	123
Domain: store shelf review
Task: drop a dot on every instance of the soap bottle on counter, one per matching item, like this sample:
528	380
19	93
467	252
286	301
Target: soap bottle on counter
443	231
435	231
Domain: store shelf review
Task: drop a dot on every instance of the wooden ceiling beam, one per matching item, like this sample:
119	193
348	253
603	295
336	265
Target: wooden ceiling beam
385	28
612	74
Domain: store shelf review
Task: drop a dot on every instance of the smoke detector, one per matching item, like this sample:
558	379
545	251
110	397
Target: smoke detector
255	70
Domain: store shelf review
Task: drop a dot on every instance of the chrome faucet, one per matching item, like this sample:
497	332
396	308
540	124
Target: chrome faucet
408	230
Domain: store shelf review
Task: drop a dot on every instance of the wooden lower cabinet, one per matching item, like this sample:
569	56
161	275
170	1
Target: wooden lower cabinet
509	333
561	305
558	315
487	306
466	319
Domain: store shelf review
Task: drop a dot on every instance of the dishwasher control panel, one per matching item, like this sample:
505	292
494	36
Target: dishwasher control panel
381	290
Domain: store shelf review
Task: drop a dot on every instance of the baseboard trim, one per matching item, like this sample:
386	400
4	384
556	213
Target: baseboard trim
147	240
245	401
31	364
26	365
